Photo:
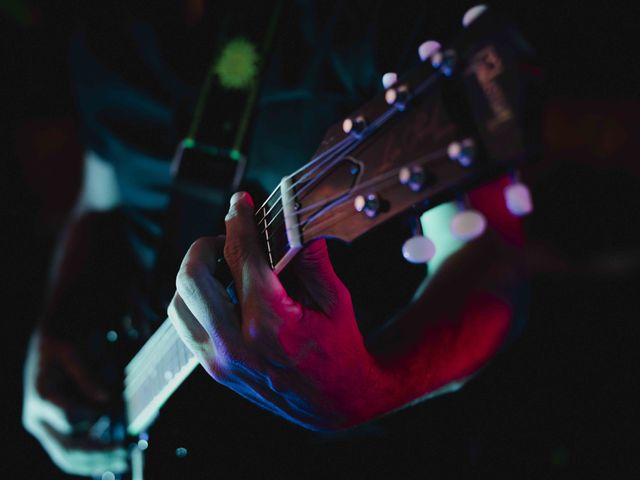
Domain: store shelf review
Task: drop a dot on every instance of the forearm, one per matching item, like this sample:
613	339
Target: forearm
457	323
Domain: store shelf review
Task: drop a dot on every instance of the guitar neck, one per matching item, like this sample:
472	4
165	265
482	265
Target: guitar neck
164	362
454	122
153	375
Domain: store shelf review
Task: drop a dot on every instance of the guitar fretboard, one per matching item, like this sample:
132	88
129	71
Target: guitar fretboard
154	374
164	362
270	219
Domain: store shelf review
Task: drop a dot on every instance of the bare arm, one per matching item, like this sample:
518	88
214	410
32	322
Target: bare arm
304	358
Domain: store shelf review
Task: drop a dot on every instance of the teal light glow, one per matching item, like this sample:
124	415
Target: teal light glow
436	225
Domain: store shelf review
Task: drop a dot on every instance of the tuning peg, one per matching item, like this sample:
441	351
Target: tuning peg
518	199
463	152
444	61
472	14
389	79
355	125
397	96
468	224
371	204
428	48
419	248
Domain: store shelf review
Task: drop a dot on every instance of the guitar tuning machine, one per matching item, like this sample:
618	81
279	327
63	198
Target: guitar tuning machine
418	248
371	204
427	49
389	79
415	177
518	198
463	152
472	15
354	126
397	97
468	223
444	61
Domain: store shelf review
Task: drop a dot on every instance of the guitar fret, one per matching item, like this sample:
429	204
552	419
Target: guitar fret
276	238
271	227
263	227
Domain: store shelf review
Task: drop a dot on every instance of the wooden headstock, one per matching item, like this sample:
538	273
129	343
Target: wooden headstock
457	120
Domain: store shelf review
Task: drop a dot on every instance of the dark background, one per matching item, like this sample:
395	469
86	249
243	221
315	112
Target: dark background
561	400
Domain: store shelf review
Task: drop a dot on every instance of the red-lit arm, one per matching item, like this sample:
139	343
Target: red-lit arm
462	314
304	358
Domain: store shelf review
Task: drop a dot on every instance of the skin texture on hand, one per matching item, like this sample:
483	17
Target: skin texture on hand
304	358
59	420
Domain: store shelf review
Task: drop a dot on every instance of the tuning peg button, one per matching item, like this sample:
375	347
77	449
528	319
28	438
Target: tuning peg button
444	61
428	48
397	97
415	177
389	79
370	204
472	14
463	152
518	199
418	249
468	224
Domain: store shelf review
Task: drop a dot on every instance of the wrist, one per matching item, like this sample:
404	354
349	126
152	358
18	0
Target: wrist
412	364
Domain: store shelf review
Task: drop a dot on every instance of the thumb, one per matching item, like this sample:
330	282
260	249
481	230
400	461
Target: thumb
320	281
243	252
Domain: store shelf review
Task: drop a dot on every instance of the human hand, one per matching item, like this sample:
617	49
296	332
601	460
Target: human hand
302	358
61	403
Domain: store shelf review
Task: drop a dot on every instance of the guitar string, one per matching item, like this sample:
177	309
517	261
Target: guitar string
381	120
344	145
384	177
427	158
319	159
165	336
167	339
314	229
336	152
419	89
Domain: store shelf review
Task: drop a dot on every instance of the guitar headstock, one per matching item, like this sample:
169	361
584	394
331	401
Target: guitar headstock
460	118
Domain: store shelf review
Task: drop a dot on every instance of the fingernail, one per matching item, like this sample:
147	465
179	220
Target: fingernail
241	196
235	198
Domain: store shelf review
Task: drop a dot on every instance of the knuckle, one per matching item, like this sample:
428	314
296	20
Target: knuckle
200	246
186	280
220	370
234	253
194	264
